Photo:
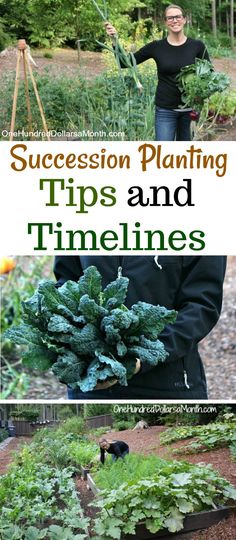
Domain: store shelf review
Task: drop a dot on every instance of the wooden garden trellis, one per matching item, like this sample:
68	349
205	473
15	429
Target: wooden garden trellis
23	55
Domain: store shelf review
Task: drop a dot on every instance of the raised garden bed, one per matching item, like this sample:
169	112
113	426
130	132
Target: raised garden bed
84	472
196	521
192	523
91	485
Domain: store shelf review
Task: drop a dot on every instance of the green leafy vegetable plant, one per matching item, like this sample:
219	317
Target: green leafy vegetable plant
199	81
86	334
160	500
209	437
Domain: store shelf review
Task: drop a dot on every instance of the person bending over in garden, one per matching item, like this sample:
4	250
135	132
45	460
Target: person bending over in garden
192	285
117	449
170	54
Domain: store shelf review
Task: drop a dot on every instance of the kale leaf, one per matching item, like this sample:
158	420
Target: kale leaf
86	335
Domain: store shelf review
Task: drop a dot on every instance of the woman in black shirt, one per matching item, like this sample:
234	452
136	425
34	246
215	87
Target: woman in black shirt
118	449
170	54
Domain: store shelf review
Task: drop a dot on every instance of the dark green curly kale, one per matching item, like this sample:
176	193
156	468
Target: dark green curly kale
86	335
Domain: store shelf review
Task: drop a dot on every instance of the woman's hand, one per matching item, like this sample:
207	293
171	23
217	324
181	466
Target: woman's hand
110	30
138	366
107	384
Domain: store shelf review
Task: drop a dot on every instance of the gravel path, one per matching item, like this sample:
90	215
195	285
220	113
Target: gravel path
218	350
6	452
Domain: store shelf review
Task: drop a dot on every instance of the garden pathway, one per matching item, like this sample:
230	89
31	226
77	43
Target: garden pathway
13	444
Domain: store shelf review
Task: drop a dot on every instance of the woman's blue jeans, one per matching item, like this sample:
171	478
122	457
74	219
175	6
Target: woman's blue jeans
114	457
172	125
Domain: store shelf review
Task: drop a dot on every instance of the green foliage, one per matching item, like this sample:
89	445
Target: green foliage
38	498
75	425
55	22
183	418
206	438
65	446
160	498
223	104
122	425
3	434
4	38
31	493
91	109
198	82
48	54
97	409
84	453
99	432
30	414
16	286
87	335
133	467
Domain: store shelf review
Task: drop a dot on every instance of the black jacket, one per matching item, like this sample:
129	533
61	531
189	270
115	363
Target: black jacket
117	448
192	286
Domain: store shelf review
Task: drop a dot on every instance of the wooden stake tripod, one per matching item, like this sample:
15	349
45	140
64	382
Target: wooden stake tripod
24	55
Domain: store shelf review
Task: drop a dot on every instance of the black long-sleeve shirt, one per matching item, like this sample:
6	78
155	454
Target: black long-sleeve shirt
116	448
169	60
190	284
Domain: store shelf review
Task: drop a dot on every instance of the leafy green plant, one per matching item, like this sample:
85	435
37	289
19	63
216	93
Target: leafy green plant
13	382
121	425
161	500
75	425
84	454
30	414
206	438
97	109
3	434
134	467
4	37
223	104
86	334
178	434
98	432
199	81
48	54
32	493
16	286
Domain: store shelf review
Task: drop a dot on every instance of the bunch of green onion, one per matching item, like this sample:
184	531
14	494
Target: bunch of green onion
122	58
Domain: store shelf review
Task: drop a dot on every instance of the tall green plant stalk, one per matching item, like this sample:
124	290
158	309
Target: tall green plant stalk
122	58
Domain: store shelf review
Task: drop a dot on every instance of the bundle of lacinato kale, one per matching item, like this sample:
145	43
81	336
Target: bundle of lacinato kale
86	335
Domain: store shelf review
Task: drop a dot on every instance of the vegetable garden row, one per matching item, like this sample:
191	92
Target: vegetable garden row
109	106
39	499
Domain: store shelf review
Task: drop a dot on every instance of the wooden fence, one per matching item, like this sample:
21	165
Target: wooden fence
25	428
104	420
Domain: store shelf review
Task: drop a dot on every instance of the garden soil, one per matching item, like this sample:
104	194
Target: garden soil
7	453
148	441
